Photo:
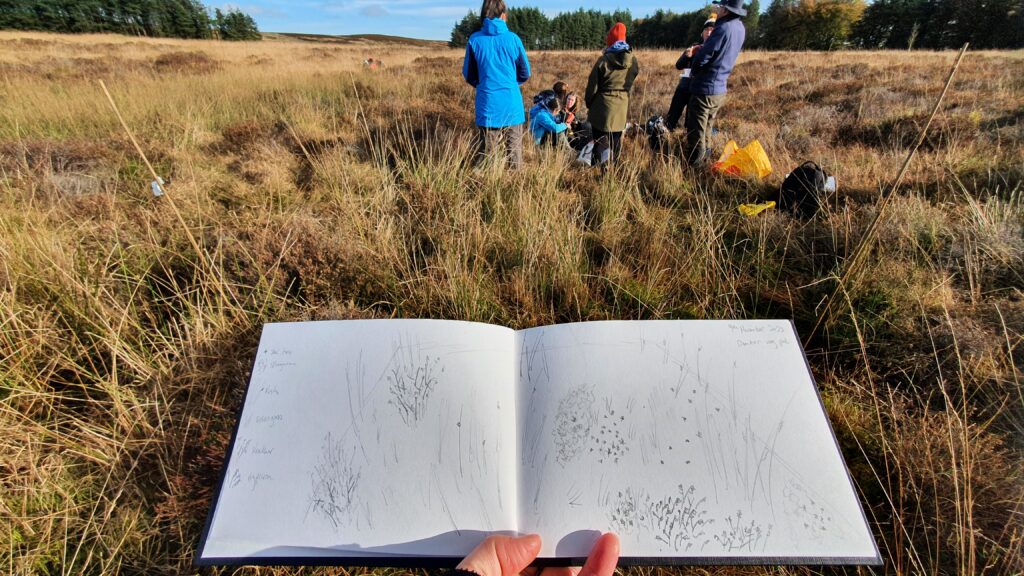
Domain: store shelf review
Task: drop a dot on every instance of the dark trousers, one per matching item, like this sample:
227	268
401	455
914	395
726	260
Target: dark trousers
676	108
496	142
700	118
552	140
607	146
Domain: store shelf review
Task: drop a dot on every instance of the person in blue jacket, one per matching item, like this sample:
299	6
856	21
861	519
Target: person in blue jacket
496	65
544	125
709	73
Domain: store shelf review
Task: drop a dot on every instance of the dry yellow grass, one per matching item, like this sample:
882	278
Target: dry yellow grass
318	189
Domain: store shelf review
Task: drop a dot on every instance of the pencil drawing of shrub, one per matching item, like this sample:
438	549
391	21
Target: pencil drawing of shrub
411	384
630	511
334	481
573	424
747	537
680	520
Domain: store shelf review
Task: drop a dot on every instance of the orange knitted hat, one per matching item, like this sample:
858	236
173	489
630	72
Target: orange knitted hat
616	34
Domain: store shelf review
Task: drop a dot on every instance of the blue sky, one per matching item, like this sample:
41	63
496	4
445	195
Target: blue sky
431	19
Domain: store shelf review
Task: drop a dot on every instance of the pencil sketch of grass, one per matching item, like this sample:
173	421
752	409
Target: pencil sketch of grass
334	483
743	536
681	520
411	384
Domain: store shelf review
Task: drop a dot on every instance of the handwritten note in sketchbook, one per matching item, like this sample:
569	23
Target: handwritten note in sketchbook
408	441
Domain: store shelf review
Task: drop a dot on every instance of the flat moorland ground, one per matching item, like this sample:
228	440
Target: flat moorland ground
303	186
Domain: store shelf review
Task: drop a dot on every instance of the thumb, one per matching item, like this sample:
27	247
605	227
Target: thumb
603	557
502	555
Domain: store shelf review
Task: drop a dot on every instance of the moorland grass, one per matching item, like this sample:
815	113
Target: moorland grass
317	189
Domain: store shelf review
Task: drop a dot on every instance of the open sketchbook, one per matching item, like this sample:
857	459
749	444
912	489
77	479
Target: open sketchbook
405	442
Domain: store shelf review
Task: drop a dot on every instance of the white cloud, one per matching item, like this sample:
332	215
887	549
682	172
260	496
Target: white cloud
255	10
374	11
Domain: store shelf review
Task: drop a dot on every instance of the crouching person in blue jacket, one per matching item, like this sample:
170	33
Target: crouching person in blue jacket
496	65
544	126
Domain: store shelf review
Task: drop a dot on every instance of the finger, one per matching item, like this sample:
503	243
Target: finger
515	554
604	557
502	555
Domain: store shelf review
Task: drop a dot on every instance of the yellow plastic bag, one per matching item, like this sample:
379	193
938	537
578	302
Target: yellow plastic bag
730	149
747	162
750	210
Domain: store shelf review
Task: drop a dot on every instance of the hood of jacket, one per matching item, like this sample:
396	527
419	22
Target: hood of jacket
620	46
619	60
494	26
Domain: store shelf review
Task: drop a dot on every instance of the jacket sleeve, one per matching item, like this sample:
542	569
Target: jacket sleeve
522	64
634	71
683	62
469	67
710	51
593	84
548	124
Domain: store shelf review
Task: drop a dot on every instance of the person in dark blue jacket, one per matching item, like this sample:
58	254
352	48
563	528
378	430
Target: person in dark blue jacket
709	74
496	65
681	97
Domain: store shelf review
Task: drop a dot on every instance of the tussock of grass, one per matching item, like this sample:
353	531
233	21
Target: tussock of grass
317	190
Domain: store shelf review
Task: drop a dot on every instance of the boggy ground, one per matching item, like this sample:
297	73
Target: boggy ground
302	186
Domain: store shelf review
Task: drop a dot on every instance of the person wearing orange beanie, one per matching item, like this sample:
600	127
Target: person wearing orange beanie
607	94
616	34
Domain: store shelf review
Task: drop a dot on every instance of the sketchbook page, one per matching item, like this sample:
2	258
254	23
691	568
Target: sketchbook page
362	438
690	439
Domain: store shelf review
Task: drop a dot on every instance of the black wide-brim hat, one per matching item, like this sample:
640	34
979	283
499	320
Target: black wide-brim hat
734	6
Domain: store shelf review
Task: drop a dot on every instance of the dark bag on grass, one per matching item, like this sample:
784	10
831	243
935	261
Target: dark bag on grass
582	134
657	134
804	189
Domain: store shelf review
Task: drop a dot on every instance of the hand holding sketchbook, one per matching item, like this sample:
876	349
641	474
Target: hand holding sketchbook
499	555
407	441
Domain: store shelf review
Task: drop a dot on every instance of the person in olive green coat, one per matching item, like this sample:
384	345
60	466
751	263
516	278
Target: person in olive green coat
607	94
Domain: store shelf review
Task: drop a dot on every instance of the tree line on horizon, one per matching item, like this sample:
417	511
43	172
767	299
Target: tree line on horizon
784	25
152	18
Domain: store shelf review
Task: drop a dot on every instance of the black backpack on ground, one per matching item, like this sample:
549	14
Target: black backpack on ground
582	134
657	134
803	191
